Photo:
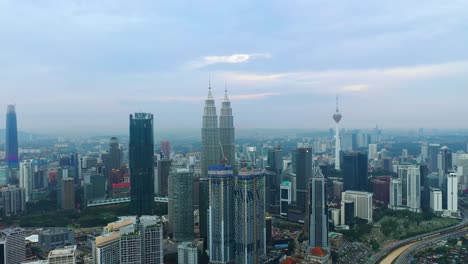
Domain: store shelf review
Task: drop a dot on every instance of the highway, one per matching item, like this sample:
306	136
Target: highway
405	247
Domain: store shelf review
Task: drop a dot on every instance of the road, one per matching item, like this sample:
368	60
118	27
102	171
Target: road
388	255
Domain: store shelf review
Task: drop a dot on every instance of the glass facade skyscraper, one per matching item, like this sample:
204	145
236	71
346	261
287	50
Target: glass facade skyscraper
355	171
318	236
11	145
303	175
141	157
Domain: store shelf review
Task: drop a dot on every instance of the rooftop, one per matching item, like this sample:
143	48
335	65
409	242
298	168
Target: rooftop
68	250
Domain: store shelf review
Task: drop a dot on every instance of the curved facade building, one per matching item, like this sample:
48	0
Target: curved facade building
11	145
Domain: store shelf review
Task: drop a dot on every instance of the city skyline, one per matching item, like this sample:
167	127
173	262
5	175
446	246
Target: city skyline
111	60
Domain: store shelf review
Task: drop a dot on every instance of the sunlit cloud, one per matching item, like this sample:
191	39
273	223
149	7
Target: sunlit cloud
193	99
355	88
228	59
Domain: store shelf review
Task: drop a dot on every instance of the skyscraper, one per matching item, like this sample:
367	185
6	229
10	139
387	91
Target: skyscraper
452	192
318	236
210	155
249	195
166	148
303	175
355	171
221	214
12	246
337	118
181	204
141	155
226	132
274	179
445	162
411	186
433	151
11	144
25	178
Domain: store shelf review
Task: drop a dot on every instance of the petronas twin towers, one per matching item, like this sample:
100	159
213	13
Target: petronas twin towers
217	142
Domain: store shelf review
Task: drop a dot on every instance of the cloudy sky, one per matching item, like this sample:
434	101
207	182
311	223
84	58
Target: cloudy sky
83	66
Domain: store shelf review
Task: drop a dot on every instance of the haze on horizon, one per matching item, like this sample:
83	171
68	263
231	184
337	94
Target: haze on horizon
84	66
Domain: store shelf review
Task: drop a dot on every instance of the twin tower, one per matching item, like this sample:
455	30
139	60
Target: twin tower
217	141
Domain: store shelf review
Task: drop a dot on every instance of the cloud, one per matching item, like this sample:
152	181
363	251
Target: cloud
193	99
355	88
228	59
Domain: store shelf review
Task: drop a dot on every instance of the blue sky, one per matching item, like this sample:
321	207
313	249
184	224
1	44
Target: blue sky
84	66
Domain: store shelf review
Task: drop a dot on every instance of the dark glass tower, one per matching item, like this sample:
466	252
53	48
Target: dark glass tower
318	236
141	154
303	175
11	146
355	171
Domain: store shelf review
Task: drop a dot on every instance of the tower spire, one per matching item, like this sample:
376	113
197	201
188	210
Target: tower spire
226	98
210	95
337	104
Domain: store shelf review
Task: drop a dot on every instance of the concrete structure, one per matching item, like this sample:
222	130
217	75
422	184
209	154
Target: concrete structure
141	158
12	246
285	197
66	255
221	236
140	241
337	118
318	231
436	200
187	253
180	209
452	192
249	196
50	238
362	203
12	200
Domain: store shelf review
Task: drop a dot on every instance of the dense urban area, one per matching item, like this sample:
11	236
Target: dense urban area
341	196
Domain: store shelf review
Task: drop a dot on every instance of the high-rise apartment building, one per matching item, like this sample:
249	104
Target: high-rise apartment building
12	200
249	196
181	218
141	157
11	143
395	194
221	239
12	246
372	152
106	248
355	168
410	176
318	231
452	192
226	133
25	178
303	175
436	200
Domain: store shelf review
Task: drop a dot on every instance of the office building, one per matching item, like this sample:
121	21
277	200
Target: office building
210	155
362	203
395	194
11	143
180	206
226	133
318	231
436	200
444	161
337	118
452	192
335	216
433	152
410	176
221	236
66	255
187	253
381	189
12	200
113	159
303	175
250	227
274	179
68	194
141	157
25	178
12	246
106	248
50	238
372	152
285	198
355	171
95	187
338	188
166	148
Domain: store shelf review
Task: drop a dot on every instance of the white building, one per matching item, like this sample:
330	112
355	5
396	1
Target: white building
452	192
12	200
187	253
335	216
12	246
25	178
106	248
372	151
285	197
66	255
411	179
436	200
395	194
362	203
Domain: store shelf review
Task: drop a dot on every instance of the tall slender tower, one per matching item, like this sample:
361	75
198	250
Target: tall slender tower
337	118
318	236
226	132
11	146
210	155
141	157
